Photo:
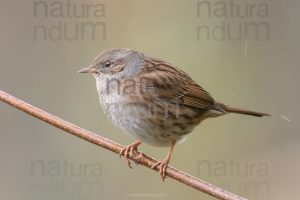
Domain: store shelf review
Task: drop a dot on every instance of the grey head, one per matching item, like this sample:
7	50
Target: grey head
115	63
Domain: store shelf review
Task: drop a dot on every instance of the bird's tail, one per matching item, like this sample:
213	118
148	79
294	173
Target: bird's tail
229	109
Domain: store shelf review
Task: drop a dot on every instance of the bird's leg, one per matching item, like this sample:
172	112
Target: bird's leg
164	164
131	150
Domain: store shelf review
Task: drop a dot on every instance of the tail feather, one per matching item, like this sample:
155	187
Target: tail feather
230	109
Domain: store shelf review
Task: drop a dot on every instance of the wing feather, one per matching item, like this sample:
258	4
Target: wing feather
173	85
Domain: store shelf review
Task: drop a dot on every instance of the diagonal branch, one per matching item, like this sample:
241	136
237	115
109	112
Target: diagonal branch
115	147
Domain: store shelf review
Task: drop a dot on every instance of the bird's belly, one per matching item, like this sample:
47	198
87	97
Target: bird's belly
139	121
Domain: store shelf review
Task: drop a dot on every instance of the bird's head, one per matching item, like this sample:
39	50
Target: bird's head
115	63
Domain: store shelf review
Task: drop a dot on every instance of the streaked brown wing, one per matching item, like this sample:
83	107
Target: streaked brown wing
198	97
171	84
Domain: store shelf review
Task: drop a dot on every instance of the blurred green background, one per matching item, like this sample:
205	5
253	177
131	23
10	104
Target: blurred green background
257	158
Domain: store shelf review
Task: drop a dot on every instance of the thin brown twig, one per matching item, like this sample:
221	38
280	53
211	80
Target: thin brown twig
115	147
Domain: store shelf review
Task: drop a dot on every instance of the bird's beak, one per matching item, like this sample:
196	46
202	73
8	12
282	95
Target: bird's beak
90	69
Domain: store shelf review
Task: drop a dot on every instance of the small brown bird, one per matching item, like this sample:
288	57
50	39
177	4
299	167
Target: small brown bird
150	99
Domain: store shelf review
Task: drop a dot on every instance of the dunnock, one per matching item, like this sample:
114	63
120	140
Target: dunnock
150	99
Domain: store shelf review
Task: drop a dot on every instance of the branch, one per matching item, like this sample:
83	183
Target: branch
116	148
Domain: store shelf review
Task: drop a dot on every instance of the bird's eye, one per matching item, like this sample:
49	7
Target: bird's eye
107	64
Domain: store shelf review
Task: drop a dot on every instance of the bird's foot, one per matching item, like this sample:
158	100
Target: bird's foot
163	165
131	150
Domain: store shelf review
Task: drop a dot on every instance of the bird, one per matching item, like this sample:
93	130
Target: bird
152	100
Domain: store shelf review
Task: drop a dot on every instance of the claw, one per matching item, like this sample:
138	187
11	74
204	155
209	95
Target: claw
163	165
131	150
